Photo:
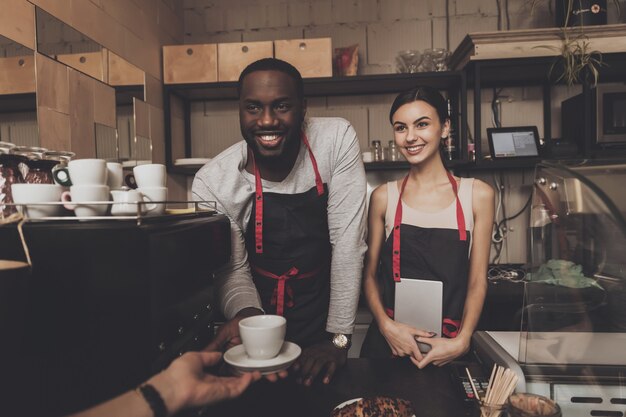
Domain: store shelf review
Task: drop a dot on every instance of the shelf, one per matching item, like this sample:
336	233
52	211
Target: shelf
332	86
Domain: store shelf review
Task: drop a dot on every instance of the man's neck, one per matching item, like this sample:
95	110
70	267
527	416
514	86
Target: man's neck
275	170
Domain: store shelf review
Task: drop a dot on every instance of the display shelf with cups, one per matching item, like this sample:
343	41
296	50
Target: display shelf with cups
452	82
122	208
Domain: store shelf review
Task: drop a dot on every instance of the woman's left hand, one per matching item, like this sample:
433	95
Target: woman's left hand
442	350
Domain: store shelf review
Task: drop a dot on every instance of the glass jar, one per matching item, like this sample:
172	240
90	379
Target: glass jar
532	405
392	152
491	410
377	151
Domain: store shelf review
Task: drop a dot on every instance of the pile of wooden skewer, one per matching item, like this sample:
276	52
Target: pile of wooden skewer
501	385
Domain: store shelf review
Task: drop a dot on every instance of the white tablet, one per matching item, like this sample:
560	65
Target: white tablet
419	303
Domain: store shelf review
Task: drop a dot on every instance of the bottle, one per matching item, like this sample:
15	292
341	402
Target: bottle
377	151
449	142
392	152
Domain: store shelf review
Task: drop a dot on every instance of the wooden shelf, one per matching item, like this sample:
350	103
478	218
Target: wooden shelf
332	86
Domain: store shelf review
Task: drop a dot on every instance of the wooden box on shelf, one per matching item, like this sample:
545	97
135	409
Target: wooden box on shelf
17	75
188	64
312	57
232	58
90	63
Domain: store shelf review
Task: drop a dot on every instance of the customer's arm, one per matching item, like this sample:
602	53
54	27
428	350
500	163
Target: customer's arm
182	385
446	350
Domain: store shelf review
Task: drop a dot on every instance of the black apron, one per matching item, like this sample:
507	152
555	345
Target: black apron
289	252
413	252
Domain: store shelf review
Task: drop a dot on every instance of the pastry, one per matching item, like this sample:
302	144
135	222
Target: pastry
376	407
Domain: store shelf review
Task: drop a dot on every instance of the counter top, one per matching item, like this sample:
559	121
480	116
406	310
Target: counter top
431	391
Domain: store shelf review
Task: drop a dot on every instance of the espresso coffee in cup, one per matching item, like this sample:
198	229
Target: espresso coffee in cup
263	336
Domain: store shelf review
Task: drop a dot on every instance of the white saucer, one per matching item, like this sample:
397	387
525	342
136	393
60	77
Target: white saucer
238	359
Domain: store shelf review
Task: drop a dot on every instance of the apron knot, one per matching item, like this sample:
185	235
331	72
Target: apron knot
282	286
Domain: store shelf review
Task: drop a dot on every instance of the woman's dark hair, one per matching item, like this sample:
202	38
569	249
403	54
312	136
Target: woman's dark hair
273	64
421	93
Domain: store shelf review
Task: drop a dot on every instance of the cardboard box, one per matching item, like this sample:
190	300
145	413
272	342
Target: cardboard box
232	58
312	57
184	64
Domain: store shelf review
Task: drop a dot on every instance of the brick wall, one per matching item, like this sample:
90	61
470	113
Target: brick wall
381	28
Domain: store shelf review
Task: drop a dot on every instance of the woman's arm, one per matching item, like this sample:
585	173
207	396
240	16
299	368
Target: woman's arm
446	350
400	337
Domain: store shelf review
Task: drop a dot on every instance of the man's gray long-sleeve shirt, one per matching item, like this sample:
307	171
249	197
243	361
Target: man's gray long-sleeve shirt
335	146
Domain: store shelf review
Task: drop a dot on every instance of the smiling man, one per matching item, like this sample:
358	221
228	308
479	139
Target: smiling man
294	191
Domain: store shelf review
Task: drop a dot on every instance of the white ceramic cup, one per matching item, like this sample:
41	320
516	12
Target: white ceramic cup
263	336
80	194
155	194
115	175
150	175
31	194
82	172
126	203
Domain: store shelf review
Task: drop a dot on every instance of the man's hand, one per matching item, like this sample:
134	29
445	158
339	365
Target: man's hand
314	359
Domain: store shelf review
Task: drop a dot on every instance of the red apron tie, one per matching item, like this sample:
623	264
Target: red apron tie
278	297
460	220
258	194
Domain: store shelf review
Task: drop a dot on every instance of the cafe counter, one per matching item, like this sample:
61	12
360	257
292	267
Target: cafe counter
432	391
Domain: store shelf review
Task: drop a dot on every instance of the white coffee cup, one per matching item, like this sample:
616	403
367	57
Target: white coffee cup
155	194
78	195
263	336
31	194
115	175
127	203
82	172
150	175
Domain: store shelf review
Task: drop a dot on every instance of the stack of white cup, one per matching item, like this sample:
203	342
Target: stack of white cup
89	184
151	180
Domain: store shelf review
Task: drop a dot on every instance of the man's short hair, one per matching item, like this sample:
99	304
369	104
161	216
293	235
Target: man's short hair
273	64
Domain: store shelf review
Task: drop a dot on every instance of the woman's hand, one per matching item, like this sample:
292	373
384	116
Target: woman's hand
443	350
401	338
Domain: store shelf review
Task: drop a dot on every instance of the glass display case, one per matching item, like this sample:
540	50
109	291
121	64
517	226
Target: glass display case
572	341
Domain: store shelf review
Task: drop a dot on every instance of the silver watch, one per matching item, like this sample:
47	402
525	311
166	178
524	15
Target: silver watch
342	341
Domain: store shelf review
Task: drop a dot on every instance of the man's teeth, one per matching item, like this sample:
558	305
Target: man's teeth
268	138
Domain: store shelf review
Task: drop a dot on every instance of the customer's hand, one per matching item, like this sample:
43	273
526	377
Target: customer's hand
185	383
321	356
227	335
401	338
443	350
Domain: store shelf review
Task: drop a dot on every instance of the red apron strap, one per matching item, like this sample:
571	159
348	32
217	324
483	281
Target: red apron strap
258	212
258	194
279	292
318	179
396	235
460	216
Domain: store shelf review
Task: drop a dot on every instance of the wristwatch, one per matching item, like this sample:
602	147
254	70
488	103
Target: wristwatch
342	341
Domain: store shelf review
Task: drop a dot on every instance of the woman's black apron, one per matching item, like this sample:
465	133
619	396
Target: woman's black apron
413	252
289	252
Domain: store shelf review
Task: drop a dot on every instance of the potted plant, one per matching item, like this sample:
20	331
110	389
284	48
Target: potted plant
577	58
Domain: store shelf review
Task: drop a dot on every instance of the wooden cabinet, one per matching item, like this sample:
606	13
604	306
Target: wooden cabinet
234	57
190	64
